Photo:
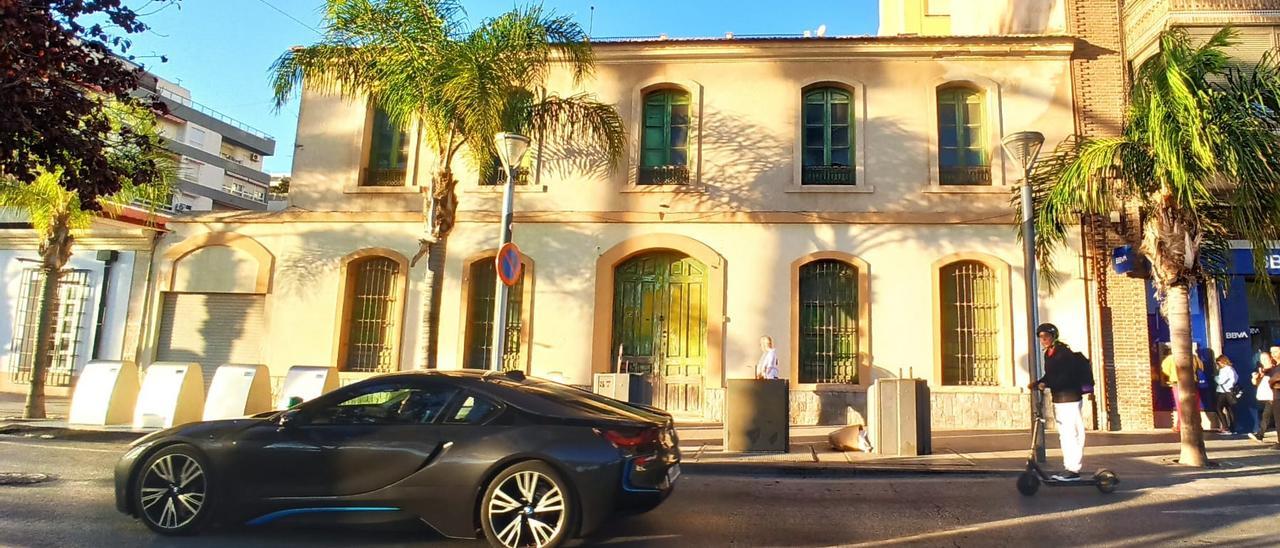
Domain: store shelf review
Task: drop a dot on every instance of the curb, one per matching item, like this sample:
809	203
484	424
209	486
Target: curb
30	431
837	470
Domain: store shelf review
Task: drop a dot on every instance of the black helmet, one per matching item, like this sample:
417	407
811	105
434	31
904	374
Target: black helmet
1049	328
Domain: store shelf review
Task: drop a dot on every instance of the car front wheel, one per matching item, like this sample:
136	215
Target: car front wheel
528	504
171	494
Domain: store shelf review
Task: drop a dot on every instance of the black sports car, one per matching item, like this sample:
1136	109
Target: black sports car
521	461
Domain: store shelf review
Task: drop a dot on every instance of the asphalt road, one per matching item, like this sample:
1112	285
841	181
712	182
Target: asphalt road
1231	508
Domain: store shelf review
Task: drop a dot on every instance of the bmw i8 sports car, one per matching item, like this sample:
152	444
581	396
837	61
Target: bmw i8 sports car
519	461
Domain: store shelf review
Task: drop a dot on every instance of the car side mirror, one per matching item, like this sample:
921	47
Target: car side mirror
289	418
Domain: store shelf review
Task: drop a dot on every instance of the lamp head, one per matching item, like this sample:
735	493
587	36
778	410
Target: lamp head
1024	147
511	148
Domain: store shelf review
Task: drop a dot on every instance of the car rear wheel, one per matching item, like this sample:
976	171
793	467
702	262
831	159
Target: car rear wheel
528	504
171	494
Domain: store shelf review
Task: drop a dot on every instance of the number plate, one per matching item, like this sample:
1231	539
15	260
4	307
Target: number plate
673	473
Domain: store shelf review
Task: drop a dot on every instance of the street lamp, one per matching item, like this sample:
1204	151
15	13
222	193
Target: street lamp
511	149
1024	147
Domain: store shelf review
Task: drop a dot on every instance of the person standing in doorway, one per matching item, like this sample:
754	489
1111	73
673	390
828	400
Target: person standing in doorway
767	367
1225	394
1066	373
1262	382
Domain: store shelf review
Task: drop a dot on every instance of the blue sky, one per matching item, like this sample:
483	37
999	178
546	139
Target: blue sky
221	49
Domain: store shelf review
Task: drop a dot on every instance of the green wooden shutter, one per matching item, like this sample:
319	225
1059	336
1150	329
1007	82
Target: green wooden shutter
827	137
962	151
664	140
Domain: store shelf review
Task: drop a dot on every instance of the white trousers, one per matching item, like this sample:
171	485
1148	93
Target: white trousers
1070	433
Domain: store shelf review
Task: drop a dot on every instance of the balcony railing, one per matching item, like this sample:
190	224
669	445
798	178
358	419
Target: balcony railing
382	177
498	178
256	196
980	175
827	175
663	175
187	102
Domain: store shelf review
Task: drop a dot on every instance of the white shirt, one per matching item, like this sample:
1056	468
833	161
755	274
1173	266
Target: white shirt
767	367
1264	389
1226	379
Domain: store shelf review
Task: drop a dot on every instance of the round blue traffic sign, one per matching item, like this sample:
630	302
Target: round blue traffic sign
508	263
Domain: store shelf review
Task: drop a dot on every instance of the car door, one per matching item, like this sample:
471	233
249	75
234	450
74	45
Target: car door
353	441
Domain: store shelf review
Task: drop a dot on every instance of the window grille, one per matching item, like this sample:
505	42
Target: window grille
69	308
970	324
371	320
828	322
483	290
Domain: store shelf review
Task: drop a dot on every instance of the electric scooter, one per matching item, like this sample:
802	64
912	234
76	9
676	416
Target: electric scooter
1030	479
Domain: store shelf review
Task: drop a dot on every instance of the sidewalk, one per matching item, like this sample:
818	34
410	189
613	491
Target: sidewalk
977	452
954	451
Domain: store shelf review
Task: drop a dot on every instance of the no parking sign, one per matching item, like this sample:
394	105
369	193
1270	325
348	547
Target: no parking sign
508	263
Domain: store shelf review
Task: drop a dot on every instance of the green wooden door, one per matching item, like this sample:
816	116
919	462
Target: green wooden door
660	326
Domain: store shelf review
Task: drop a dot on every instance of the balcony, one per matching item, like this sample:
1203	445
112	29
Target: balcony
960	176
499	179
827	175
663	175
382	177
258	196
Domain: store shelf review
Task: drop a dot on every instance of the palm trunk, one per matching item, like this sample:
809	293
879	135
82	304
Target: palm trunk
430	334
1178	313
55	250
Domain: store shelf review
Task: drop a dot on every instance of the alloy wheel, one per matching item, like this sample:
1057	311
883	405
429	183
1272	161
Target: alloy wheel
527	509
172	491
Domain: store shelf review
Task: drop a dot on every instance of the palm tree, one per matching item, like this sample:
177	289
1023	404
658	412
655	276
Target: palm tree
1197	158
56	214
418	62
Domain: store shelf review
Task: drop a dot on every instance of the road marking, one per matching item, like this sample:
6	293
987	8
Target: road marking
1010	522
63	447
1222	510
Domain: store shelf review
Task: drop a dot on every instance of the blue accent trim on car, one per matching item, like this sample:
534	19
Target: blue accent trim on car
626	479
263	520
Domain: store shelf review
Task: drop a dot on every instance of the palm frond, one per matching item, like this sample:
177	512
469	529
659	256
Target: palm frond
582	118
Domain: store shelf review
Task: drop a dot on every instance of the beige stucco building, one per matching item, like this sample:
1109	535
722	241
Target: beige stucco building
846	196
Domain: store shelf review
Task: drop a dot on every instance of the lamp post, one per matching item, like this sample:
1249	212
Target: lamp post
1024	147
511	149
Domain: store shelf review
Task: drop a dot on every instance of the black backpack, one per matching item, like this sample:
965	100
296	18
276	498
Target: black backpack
1086	376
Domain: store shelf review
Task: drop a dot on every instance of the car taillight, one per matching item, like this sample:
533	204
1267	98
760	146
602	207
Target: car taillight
631	440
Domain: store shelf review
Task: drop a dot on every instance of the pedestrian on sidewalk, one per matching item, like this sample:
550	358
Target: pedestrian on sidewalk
767	367
1169	369
1225	394
1262	383
1066	373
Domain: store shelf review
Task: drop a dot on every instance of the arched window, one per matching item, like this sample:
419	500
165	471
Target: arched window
372	307
664	140
970	313
828	318
482	291
828	137
962	143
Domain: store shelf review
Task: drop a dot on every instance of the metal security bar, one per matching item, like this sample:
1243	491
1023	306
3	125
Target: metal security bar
980	175
970	324
370	322
828	322
484	278
827	175
73	293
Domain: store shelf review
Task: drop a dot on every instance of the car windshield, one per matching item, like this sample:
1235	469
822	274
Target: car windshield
588	402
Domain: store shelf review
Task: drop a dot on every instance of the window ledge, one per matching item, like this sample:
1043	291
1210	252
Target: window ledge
828	387
830	189
499	189
665	189
381	190
967	189
952	389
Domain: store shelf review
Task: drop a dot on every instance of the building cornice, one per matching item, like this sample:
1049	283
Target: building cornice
610	217
814	49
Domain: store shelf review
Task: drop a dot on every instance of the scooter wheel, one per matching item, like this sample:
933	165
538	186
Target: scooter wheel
1028	484
1106	481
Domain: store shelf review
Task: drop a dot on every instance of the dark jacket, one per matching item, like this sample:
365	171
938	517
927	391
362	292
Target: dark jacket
1066	373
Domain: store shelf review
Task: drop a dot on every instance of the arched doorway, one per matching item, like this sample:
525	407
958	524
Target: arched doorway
660	326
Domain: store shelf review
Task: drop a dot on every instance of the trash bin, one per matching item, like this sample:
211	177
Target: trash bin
757	416
898	416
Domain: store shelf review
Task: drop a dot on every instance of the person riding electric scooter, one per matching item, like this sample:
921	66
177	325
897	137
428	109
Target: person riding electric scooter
1068	376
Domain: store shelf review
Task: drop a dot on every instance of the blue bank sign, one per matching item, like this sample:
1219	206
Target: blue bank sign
1242	262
